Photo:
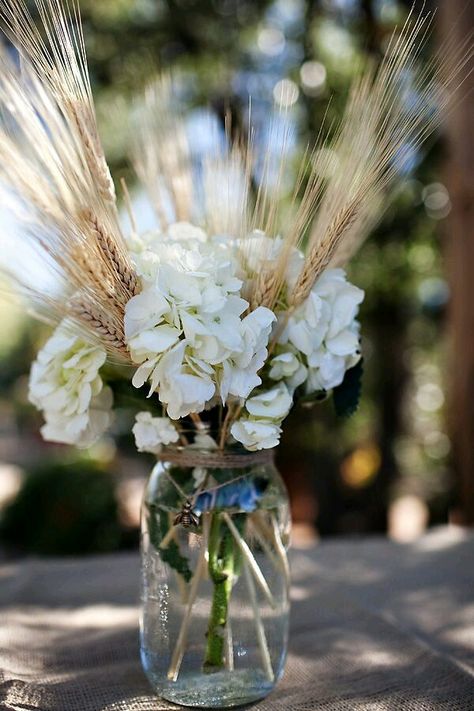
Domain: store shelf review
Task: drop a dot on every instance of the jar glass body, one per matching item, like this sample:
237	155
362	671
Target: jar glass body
215	580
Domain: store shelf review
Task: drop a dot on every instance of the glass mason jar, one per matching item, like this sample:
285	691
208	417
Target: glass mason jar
215	579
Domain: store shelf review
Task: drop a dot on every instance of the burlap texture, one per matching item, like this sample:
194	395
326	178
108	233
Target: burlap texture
375	626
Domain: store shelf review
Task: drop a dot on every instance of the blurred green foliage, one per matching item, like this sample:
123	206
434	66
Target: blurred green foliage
63	508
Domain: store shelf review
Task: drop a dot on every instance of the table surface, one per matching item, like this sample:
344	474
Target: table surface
375	625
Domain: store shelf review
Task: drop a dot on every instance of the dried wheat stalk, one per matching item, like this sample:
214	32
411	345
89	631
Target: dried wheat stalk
266	284
96	276
53	165
99	323
161	154
321	253
116	257
93	153
371	144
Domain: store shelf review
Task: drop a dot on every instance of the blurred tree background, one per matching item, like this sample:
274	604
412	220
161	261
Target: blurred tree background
388	468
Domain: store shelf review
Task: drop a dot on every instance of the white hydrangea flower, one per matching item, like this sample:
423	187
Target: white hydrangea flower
288	367
65	384
260	426
152	432
182	390
240	371
271	404
256	434
184	247
324	331
261	252
185	329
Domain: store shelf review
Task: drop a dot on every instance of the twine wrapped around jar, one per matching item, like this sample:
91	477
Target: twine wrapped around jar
214	459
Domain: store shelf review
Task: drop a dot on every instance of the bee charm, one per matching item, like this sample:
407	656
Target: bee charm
186	516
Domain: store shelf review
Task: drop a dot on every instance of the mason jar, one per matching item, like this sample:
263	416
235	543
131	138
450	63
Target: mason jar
215	578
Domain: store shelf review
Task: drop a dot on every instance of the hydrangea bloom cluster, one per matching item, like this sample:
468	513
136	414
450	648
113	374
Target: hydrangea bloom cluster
317	343
65	384
186	329
320	340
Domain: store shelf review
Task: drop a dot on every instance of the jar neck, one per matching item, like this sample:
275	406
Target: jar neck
235	458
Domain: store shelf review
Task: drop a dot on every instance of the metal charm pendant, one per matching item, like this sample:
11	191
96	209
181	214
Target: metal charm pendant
186	516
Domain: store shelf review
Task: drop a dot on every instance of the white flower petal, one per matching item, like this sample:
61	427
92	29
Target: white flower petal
156	341
256	435
344	343
271	404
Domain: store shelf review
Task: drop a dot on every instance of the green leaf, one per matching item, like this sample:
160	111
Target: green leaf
347	394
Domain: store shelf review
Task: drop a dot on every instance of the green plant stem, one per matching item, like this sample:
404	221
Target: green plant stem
221	571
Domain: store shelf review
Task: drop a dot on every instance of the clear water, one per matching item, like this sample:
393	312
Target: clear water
248	680
223	689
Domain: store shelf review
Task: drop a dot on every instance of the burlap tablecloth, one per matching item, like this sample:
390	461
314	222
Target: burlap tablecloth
375	625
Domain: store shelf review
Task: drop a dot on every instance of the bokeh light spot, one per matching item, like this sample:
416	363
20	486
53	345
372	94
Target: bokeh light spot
271	41
313	77
285	93
360	468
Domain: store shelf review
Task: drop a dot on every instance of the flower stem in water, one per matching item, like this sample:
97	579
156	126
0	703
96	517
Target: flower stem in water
178	652
221	572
